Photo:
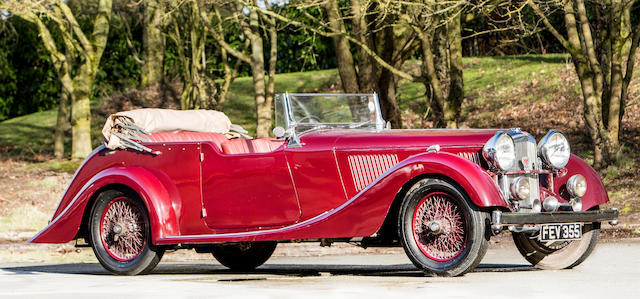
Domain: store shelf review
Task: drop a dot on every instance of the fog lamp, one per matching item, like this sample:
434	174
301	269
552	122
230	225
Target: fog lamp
576	204
520	188
577	186
551	204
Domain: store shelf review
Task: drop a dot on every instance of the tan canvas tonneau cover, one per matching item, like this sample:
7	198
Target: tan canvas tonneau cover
152	120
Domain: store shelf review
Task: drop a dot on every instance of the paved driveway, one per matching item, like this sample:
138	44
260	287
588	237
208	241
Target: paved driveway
613	271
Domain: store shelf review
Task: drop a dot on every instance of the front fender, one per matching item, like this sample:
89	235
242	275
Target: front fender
154	194
475	181
596	193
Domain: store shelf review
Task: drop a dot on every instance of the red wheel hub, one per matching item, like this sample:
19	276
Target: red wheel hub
122	229
439	227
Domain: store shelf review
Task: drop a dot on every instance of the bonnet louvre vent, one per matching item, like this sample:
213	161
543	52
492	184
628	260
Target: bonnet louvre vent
366	168
471	156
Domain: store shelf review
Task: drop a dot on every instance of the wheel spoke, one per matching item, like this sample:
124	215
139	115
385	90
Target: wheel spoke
127	242
449	241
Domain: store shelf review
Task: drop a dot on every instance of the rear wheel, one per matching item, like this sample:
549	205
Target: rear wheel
441	231
558	254
243	256
120	234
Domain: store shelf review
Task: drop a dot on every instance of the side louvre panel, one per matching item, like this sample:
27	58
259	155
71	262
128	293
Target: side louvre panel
366	168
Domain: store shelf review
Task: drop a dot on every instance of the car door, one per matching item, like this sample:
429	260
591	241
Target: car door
252	190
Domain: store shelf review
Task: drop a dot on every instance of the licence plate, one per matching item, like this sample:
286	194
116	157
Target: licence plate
560	232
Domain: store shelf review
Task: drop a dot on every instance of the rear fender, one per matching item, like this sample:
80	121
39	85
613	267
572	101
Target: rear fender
154	194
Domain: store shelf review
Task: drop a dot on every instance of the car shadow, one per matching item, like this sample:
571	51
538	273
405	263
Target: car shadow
289	270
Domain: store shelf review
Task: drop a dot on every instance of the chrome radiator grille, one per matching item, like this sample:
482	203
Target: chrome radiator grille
526	159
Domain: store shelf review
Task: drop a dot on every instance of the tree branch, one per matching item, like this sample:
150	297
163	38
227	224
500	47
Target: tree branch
565	43
219	37
100	32
65	12
366	49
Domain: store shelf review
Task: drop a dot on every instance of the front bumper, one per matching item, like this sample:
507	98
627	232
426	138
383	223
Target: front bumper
500	219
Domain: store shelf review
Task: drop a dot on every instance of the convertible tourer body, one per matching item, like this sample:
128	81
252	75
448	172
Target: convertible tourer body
334	172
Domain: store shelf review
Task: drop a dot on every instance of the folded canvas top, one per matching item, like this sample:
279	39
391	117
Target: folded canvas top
135	123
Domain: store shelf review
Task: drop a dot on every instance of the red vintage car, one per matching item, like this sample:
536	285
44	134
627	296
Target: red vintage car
334	172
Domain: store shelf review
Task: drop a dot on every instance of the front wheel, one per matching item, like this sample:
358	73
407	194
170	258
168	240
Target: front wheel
441	231
557	254
243	256
120	234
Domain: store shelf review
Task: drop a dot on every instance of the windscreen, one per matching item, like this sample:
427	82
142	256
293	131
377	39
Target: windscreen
327	110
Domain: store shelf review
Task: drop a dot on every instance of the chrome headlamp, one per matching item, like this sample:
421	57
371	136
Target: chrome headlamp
500	151
554	149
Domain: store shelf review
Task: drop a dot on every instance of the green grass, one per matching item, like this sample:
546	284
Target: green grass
69	166
31	135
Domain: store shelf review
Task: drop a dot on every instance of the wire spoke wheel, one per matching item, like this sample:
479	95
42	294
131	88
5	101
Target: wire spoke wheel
439	227
441	230
120	234
122	229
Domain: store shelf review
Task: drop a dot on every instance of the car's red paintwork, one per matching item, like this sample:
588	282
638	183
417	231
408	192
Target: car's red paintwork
196	193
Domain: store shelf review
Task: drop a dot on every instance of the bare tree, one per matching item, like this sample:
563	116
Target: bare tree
438	29
202	86
188	34
76	60
376	32
602	42
254	24
385	34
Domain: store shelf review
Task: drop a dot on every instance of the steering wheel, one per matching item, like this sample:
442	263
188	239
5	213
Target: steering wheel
312	119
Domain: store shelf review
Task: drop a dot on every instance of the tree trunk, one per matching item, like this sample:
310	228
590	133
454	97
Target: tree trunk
153	44
387	82
388	100
62	124
432	84
263	106
346	66
273	59
200	97
81	116
367	67
619	35
456	92
189	35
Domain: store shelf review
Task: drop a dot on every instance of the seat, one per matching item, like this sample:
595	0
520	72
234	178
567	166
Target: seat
179	136
249	146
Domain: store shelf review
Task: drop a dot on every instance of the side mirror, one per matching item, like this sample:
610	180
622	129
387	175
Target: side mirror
388	125
278	132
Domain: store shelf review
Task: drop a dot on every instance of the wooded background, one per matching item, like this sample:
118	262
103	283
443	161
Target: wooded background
185	54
